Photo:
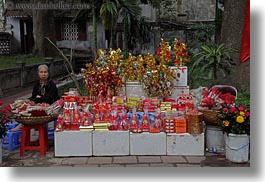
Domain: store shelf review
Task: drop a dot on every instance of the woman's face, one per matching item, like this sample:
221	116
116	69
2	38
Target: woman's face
43	73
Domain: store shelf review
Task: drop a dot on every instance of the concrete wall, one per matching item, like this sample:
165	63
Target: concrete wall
75	44
203	10
100	36
23	75
15	32
149	12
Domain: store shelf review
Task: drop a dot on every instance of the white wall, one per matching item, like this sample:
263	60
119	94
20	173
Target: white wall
15	32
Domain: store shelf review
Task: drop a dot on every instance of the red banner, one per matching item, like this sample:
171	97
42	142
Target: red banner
245	44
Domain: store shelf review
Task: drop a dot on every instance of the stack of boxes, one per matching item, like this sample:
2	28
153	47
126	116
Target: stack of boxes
180	94
180	81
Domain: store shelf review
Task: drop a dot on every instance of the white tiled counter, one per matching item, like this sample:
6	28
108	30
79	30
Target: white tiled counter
118	143
73	143
110	143
185	144
148	143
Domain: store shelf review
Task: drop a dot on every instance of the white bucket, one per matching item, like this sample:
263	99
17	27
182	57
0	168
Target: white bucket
134	89
237	147
214	138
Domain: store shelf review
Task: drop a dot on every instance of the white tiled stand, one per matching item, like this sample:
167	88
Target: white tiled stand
115	143
110	143
148	143
185	144
73	143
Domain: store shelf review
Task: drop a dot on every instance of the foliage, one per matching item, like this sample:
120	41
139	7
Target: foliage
235	119
212	59
204	33
243	98
10	61
128	11
197	78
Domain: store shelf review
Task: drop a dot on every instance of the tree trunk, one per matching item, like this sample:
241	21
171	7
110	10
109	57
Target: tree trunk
43	26
95	30
231	36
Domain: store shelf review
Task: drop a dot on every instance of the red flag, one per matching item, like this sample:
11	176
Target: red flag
245	44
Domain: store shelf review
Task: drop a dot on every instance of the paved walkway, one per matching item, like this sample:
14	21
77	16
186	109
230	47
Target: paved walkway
33	159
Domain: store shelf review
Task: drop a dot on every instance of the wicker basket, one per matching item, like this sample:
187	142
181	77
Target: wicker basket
195	128
35	120
210	117
194	118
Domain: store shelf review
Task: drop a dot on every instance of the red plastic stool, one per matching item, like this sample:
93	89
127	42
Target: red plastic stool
41	145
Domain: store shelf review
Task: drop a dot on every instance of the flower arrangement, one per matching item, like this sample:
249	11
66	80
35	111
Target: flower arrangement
235	119
181	53
104	74
3	121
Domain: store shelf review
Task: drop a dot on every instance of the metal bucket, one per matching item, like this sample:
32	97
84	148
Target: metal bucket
214	138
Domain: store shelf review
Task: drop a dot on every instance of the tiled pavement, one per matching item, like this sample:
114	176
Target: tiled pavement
33	159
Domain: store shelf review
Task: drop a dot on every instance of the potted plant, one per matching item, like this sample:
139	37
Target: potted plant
212	59
236	126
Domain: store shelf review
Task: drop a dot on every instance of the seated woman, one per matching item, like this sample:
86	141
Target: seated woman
44	91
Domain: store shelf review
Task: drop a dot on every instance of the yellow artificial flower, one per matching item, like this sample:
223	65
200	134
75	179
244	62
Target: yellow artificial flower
226	123
240	119
242	113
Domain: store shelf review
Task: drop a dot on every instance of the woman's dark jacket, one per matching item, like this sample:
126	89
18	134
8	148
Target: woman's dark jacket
49	93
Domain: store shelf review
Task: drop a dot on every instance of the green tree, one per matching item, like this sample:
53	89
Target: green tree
108	11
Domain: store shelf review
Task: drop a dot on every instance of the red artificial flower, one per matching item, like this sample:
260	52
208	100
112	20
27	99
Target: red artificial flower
247	114
233	109
241	108
225	109
176	60
179	53
1	103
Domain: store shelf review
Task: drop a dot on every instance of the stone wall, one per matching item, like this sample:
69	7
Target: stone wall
191	10
23	75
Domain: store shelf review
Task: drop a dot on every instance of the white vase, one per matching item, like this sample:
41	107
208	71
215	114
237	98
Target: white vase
237	147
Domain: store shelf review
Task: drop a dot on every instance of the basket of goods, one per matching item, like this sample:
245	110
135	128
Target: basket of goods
29	113
210	117
213	100
35	120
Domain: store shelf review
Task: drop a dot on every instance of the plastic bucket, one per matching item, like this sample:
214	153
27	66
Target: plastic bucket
237	147
134	89
214	138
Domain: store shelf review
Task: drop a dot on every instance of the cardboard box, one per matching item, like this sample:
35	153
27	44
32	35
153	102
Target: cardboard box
180	75
180	90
